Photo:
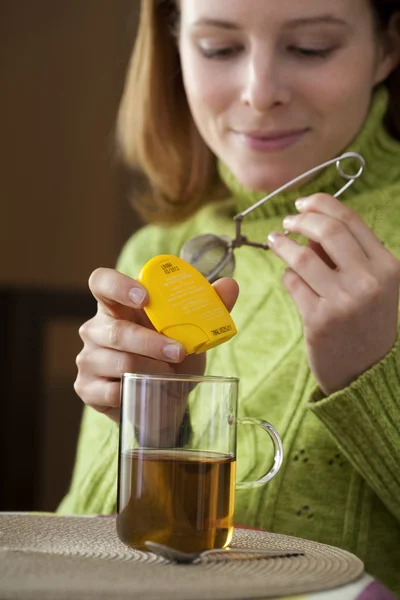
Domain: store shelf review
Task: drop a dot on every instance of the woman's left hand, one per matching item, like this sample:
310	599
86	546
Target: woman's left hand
346	287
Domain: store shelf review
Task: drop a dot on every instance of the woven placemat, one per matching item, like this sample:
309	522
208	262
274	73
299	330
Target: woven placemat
66	558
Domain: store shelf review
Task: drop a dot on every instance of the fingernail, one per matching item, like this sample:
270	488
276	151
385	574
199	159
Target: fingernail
301	203
172	352
289	222
137	296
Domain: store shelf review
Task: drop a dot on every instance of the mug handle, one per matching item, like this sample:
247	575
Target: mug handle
278	455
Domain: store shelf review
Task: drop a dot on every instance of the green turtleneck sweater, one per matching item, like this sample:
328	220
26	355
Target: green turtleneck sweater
340	479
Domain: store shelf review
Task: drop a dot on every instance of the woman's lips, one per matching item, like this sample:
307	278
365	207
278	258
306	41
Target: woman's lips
270	142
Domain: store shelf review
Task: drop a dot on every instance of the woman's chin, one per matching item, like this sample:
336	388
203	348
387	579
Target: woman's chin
264	181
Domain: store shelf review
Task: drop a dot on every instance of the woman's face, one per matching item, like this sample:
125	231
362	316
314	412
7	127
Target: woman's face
278	87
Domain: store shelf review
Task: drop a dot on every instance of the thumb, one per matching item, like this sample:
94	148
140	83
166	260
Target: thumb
228	290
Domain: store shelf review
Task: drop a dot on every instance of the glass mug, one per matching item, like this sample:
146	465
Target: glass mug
177	460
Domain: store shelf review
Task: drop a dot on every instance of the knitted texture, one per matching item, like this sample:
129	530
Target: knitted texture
340	479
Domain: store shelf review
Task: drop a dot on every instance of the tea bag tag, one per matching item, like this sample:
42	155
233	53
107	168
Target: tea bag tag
184	306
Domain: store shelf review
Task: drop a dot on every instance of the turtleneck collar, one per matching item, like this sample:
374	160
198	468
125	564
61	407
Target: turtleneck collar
380	151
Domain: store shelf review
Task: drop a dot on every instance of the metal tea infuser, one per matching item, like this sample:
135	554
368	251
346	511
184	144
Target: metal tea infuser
211	254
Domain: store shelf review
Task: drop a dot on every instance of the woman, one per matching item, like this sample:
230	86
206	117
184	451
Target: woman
224	102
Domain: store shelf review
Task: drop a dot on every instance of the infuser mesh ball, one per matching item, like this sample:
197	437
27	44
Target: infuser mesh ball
211	255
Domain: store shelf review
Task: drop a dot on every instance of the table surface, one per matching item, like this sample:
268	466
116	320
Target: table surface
365	588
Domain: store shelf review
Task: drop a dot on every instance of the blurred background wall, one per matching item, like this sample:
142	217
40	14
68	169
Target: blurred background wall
64	212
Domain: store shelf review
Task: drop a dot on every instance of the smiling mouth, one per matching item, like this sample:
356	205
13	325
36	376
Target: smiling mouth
270	141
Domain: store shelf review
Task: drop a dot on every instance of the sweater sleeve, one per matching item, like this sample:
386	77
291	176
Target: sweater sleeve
93	488
364	419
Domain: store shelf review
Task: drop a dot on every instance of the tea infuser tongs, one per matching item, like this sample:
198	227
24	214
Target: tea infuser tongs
211	254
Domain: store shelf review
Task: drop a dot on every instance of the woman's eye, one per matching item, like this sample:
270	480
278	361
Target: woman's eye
312	52
220	53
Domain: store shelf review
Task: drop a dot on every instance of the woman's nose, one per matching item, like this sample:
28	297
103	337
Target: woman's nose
264	84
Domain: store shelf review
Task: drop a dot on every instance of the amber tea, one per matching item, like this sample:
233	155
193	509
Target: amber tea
178	496
181	498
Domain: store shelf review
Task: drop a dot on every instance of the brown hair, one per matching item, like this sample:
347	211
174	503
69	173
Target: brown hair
155	130
384	11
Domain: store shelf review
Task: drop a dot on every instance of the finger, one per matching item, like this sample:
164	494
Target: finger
117	294
303	296
103	330
102	389
332	207
228	290
101	394
126	336
334	237
304	261
111	364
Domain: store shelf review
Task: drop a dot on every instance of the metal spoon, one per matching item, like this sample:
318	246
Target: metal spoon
189	557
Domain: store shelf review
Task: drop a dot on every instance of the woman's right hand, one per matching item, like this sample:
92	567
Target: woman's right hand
121	339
